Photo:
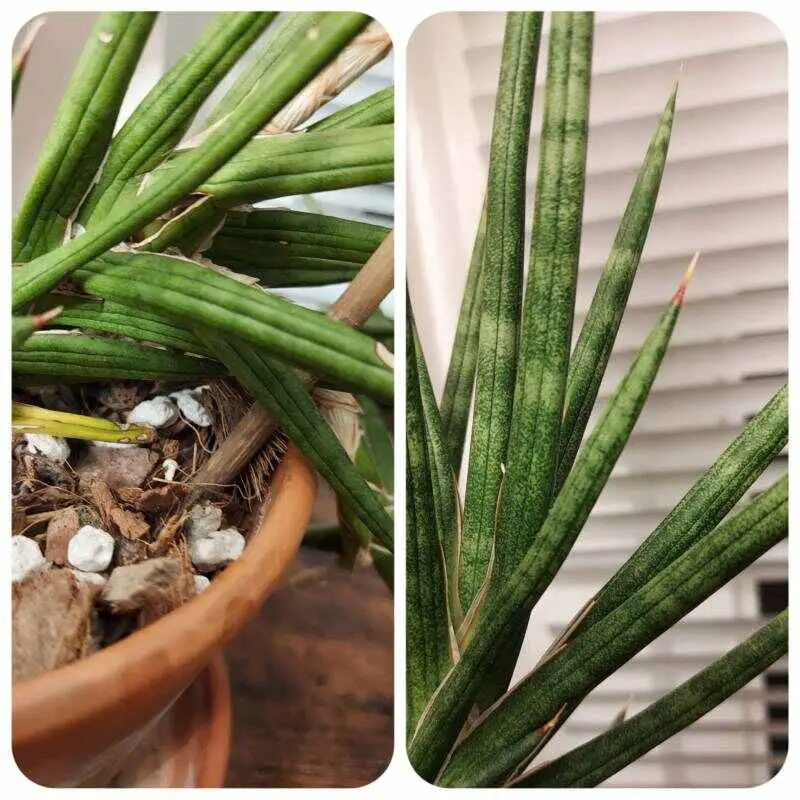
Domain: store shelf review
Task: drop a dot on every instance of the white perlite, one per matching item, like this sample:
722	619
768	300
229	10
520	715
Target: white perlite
157	413
191	408
53	447
171	467
201	583
203	521
93	578
26	558
90	549
216	550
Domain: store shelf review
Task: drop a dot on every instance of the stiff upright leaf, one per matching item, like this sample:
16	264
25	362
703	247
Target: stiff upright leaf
81	131
506	610
550	292
598	334
502	276
460	380
605	755
446	502
548	313
429	636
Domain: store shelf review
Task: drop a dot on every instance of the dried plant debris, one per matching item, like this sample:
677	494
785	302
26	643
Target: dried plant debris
227	404
51	622
102	540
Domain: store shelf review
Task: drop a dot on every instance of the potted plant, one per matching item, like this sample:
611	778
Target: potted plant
140	261
475	574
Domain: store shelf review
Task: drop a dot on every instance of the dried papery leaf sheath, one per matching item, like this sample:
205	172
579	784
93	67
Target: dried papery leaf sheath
164	115
20	58
605	755
507	609
288	76
502	276
593	349
77	141
504	735
428	633
550	291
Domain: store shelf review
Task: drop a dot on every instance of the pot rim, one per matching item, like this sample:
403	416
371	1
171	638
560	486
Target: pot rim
158	661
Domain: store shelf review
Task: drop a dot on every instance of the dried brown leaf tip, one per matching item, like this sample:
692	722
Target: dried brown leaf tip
687	277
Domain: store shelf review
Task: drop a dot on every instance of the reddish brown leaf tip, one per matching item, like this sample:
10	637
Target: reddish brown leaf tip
40	320
679	295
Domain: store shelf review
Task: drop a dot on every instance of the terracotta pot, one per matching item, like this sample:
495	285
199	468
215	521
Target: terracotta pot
75	726
189	746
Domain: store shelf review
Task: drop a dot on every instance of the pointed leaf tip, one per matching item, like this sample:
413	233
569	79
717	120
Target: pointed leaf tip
40	320
687	277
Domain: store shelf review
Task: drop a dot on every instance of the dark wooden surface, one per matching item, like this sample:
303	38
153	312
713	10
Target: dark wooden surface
312	681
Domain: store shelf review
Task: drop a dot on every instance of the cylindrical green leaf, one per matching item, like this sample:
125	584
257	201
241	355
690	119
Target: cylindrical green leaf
506	733
193	295
497	349
598	334
278	388
375	109
165	114
550	292
76	358
607	754
460	380
76	145
289	75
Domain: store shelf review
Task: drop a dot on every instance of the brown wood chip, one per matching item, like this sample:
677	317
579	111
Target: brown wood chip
51	622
